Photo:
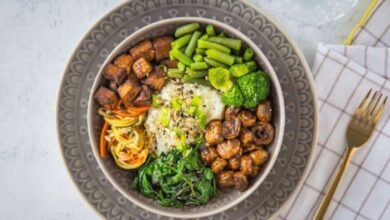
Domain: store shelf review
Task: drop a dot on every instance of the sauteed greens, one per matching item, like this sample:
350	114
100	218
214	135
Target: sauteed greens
177	179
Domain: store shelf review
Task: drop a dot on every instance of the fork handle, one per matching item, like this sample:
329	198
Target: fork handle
335	183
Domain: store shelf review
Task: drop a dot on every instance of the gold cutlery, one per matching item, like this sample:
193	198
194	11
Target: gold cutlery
360	129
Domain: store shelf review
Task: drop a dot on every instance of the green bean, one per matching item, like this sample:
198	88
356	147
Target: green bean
204	37
237	59
220	57
181	57
203	82
210	30
248	54
181	66
192	44
227	42
181	42
185	29
210	45
199	66
221	34
175	73
214	63
251	66
200	51
197	58
197	73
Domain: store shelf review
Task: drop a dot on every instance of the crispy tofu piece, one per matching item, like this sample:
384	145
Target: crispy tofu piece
143	49
144	97
106	97
129	90
142	68
169	63
156	79
114	73
162	46
124	61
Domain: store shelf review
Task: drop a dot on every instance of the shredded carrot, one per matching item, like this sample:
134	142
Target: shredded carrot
131	111
103	149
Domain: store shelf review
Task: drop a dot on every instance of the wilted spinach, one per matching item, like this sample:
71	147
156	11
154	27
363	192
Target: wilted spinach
176	180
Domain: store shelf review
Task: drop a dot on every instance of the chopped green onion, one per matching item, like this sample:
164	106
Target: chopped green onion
210	45
199	66
176	103
214	63
248	54
164	117
175	73
234	44
220	57
181	57
197	58
185	29
192	44
181	42
210	30
156	101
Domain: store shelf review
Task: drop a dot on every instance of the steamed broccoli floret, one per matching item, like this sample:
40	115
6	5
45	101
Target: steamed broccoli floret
255	87
233	97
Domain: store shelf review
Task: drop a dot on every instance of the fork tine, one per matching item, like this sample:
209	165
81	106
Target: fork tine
379	112
376	104
363	103
370	104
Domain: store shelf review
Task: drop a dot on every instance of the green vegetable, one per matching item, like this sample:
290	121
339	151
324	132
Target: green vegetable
197	58
214	63
203	82
176	104
233	97
234	44
251	66
204	37
192	44
237	59
181	66
164	117
200	51
197	73
210	45
196	101
177	179
156	101
220	57
255	87
185	29
248	54
210	30
221	34
181	42
199	66
181	57
175	73
201	117
220	78
238	70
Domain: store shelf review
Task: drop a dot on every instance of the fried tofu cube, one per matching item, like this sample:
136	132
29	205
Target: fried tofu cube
106	97
129	90
156	79
142	68
144	97
114	73
143	49
169	63
124	61
162	46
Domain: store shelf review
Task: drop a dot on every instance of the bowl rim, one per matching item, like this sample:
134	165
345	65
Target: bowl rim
278	135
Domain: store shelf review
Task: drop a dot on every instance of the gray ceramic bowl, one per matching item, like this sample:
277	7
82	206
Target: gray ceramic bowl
122	179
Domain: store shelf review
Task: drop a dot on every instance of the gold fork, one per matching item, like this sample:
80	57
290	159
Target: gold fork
360	129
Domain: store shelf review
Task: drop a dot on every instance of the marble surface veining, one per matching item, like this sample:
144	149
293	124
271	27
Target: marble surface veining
37	38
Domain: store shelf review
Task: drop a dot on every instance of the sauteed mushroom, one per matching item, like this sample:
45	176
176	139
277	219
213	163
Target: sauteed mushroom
246	137
234	163
218	165
259	156
225	179
264	111
263	133
231	128
213	134
231	112
256	171
229	148
208	154
246	165
240	181
247	118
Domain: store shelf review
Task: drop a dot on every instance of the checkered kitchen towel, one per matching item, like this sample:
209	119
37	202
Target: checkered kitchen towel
343	75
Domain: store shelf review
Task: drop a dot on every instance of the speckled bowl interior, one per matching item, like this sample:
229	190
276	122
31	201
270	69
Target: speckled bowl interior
122	179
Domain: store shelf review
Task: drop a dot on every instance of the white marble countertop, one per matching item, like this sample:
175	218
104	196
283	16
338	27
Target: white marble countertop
37	37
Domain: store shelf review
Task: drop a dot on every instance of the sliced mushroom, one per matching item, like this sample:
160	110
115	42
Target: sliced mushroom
231	128
213	134
240	181
263	133
218	165
225	179
234	163
246	165
259	156
231	112
208	155
264	111
247	118
246	137
228	149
